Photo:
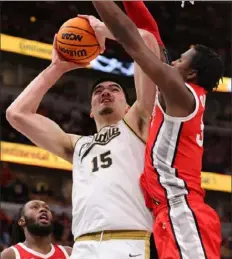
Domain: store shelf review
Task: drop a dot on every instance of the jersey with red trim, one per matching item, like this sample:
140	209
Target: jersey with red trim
23	252
174	152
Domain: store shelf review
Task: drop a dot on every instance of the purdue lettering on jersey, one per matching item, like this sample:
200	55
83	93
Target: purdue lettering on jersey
101	138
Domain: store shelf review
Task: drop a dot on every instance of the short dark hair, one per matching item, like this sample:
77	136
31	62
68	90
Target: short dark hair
209	67
110	79
17	231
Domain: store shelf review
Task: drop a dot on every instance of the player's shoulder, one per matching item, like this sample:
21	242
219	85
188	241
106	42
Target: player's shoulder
82	140
8	253
68	249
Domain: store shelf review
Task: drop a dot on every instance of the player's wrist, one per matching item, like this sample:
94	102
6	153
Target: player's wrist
105	32
101	29
56	69
51	74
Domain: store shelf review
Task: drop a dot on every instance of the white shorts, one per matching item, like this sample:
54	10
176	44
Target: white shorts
113	248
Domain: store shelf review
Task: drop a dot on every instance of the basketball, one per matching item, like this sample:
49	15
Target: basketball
76	41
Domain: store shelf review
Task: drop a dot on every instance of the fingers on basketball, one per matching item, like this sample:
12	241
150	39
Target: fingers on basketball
92	20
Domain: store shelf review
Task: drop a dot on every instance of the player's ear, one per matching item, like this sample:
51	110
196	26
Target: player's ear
192	74
91	114
127	108
22	222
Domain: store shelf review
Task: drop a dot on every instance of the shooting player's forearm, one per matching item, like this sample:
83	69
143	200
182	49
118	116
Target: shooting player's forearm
29	100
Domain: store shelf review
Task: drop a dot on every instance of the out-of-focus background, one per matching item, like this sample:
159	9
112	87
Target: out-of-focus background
28	172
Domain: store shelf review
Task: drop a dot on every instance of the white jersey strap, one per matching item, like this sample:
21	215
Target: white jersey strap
17	255
64	251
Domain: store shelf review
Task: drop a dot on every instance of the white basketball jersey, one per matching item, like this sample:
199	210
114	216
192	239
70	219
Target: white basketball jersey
106	192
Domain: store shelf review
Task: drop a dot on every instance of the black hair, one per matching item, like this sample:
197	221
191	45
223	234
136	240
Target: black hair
209	67
17	231
110	79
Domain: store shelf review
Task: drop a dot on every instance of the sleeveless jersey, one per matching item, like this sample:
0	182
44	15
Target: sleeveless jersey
174	152
23	252
106	192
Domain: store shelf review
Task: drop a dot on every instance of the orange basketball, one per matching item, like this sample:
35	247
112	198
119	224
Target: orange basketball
76	41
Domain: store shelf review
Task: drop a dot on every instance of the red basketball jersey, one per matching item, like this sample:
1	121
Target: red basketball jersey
23	252
174	152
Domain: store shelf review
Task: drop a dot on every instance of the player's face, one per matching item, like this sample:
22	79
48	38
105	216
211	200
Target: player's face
183	64
108	98
37	218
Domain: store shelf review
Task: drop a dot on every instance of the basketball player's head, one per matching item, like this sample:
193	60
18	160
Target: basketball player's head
108	99
35	218
200	65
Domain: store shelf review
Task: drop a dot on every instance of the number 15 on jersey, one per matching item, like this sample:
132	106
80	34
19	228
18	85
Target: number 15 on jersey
102	161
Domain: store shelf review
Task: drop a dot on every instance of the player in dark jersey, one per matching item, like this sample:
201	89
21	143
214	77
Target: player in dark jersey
184	227
32	235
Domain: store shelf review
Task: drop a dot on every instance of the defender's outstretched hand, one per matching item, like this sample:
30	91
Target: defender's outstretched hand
99	29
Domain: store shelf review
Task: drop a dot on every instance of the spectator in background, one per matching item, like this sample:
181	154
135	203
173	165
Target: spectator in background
34	228
5	227
216	150
6	178
19	192
226	248
58	229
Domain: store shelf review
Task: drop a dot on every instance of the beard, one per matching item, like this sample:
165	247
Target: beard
38	229
106	111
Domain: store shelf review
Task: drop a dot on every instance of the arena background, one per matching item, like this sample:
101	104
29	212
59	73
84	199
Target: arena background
28	172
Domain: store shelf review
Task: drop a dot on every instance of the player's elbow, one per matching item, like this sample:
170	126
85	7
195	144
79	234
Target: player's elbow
12	116
146	35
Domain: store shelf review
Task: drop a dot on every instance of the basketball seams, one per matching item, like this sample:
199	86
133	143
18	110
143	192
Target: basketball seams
93	45
78	29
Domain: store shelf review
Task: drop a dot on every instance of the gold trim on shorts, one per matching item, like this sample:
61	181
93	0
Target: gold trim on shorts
120	234
116	234
147	248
